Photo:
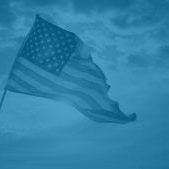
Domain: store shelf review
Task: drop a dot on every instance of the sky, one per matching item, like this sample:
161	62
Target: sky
129	40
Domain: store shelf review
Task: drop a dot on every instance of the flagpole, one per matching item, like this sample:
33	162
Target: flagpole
3	97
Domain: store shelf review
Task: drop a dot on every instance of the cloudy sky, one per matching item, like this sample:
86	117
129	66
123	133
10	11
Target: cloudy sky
129	40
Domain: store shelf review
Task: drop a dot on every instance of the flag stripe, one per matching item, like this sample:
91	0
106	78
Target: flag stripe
77	77
75	82
102	117
16	85
84	68
46	86
13	85
52	95
20	84
83	83
65	79
44	83
70	81
88	65
78	74
48	78
85	75
78	100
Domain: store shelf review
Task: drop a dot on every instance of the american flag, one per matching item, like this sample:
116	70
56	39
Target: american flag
54	63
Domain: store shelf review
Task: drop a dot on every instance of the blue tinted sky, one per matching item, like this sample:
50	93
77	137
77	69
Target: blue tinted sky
129	40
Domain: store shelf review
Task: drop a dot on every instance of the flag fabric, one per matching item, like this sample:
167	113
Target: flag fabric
54	63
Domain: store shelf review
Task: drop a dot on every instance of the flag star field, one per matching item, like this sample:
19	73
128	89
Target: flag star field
48	46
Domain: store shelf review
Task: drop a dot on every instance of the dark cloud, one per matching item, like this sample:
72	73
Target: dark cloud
153	9
101	5
131	20
157	61
111	54
143	13
82	5
6	15
161	34
162	58
42	2
138	61
7	11
85	5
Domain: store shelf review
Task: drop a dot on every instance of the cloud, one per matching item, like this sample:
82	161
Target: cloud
138	61
162	58
41	3
6	14
157	61
154	12
84	5
117	29
101	5
8	10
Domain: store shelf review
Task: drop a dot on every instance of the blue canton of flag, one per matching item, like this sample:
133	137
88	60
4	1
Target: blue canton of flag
48	46
55	63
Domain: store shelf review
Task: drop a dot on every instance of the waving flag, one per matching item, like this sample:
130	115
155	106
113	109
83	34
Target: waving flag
54	63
